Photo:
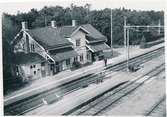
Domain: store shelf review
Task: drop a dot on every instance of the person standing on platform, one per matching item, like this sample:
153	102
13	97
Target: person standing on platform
105	61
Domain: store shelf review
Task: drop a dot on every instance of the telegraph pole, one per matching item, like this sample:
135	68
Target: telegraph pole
125	36
135	27
111	34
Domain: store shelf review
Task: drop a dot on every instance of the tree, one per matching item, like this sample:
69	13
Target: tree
8	32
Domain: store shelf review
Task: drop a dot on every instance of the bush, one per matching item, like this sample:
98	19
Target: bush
149	44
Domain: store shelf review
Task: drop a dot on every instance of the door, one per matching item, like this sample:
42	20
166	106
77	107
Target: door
58	67
93	57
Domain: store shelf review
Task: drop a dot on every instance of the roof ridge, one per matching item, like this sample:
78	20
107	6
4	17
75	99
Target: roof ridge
57	26
40	28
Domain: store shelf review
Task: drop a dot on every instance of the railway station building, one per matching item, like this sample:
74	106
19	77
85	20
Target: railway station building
48	50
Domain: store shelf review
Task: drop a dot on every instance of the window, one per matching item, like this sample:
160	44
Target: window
75	59
23	45
52	67
43	64
32	47
81	57
68	62
78	42
32	66
17	70
88	56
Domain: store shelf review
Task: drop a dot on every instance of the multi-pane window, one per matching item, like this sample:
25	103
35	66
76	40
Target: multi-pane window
81	57
78	42
68	62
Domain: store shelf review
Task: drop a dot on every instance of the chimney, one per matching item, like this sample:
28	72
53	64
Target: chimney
73	22
24	25
53	24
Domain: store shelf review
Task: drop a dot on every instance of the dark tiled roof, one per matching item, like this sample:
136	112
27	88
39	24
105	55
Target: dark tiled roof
94	34
66	31
29	58
51	38
93	40
63	54
98	47
48	37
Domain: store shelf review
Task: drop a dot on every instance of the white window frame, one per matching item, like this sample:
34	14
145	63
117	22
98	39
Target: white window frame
78	42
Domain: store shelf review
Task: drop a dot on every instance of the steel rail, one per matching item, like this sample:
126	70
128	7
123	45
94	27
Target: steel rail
54	91
155	106
126	85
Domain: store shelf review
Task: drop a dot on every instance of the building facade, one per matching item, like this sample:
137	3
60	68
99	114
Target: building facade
52	49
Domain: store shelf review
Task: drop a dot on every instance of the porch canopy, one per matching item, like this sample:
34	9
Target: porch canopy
98	47
64	55
22	58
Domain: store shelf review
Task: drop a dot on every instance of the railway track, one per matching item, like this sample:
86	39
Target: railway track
99	104
28	104
159	109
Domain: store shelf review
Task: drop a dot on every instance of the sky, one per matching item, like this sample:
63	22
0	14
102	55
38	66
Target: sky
13	6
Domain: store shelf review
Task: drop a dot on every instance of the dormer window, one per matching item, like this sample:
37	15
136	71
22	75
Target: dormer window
78	42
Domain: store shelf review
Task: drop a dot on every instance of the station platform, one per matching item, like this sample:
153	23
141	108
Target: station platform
76	98
47	83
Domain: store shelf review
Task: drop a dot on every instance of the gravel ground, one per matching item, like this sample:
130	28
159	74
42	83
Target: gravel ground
77	97
140	101
88	92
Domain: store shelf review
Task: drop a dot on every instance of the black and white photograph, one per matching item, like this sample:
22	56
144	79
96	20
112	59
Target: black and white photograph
83	58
